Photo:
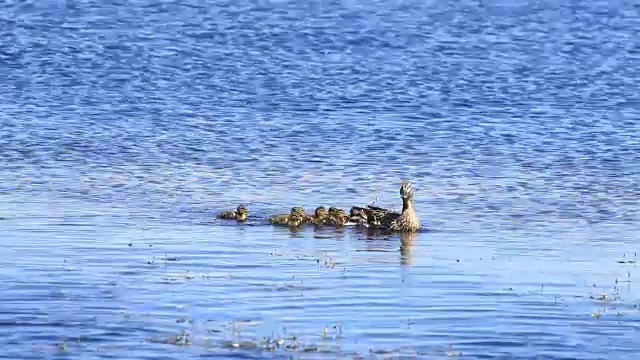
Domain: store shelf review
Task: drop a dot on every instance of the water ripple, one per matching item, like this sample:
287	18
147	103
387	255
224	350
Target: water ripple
125	126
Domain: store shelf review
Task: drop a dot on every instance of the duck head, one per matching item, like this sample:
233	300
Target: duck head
242	212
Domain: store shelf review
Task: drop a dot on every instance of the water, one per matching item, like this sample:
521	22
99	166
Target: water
126	125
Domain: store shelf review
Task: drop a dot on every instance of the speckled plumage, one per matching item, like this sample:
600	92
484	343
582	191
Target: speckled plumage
405	221
358	216
336	217
318	217
295	218
240	214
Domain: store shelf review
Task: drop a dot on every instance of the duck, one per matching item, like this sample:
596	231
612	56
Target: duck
358	216
295	218
336	217
318	217
240	214
405	221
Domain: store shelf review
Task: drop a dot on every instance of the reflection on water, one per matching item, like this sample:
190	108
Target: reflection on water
406	244
126	126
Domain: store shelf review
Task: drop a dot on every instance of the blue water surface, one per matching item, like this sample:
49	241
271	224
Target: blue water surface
127	124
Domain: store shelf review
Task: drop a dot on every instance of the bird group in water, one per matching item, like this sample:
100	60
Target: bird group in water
367	216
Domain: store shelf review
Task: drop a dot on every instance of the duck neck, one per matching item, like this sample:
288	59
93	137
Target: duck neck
407	204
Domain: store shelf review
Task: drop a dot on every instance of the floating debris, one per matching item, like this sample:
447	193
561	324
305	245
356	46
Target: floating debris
212	275
170	258
603	296
181	339
179	276
184	320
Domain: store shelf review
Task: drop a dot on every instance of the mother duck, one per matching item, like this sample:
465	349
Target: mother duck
405	221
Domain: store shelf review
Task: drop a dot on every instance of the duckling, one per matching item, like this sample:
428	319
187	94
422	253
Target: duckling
319	216
295	218
331	213
240	214
281	219
336	217
406	221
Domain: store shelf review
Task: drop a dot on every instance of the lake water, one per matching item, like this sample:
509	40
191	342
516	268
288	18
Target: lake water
127	124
